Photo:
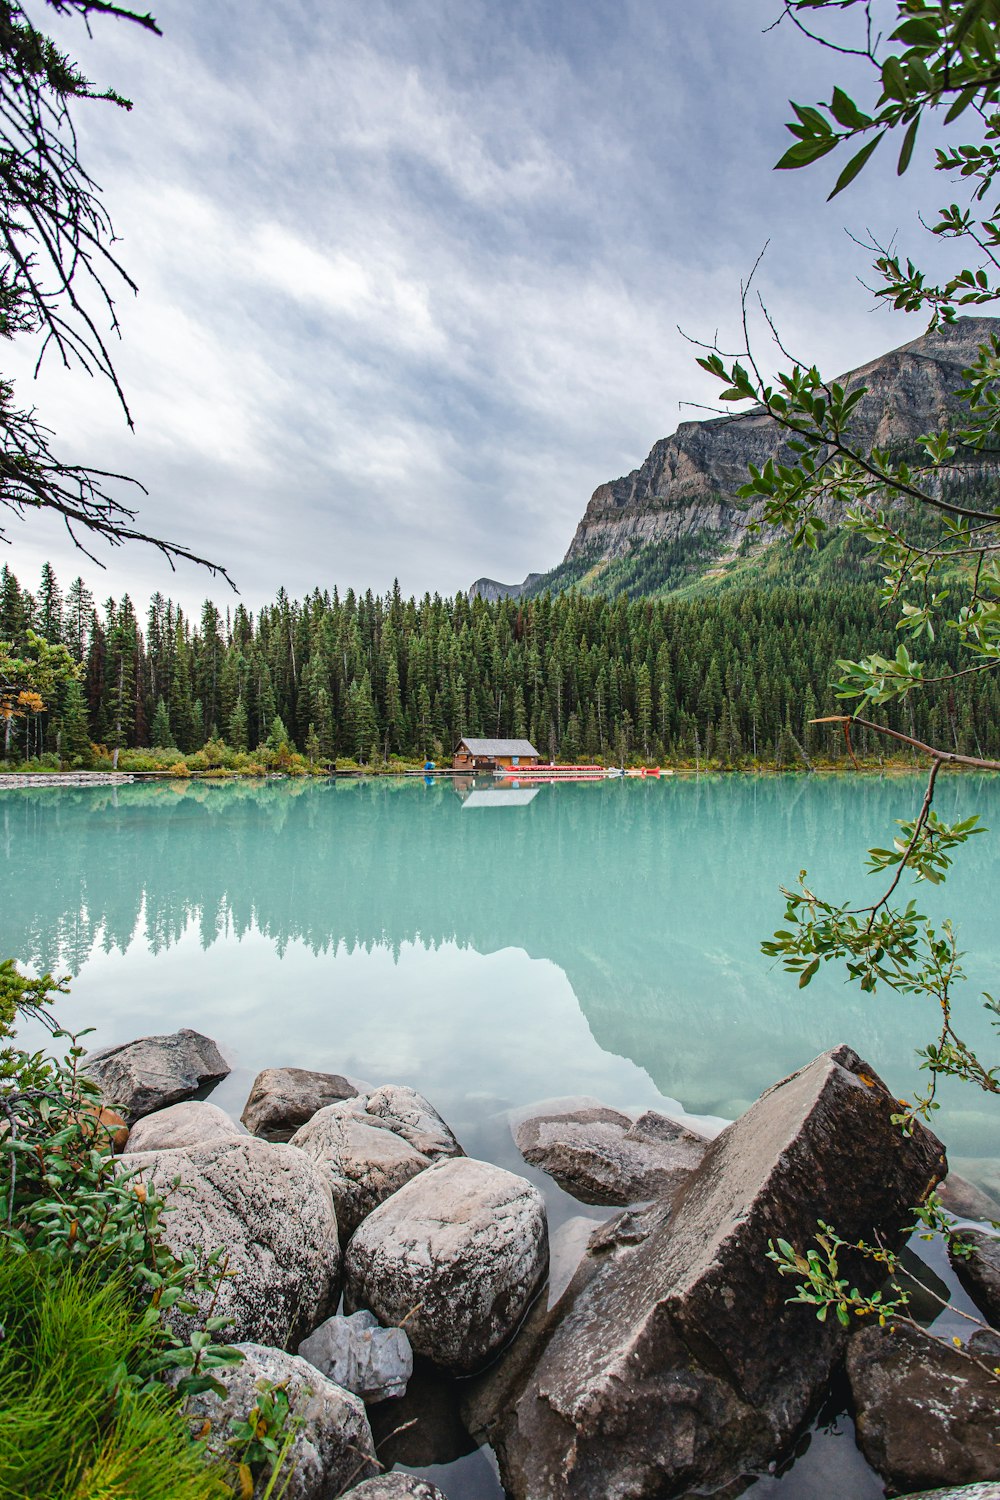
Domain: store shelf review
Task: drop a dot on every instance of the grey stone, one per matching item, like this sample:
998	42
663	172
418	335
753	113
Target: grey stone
673	1359
398	1487
282	1099
362	1159
270	1209
154	1071
925	1413
362	1356
979	1271
963	1492
601	1156
409	1115
458	1253
190	1123
967	1201
333	1446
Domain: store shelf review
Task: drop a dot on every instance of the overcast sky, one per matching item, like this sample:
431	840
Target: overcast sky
411	272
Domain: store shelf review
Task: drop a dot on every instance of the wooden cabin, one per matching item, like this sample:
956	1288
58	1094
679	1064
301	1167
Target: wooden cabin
488	755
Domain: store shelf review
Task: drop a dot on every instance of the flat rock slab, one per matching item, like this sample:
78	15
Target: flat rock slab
926	1414
190	1123
333	1445
141	1076
457	1255
678	1362
270	1209
397	1487
282	1099
601	1156
359	1354
979	1272
371	1145
967	1201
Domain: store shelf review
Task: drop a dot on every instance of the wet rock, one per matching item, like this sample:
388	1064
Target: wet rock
601	1156
362	1159
190	1123
674	1361
925	1413
967	1201
459	1253
964	1492
270	1209
357	1353
333	1446
138	1077
979	1271
282	1099
398	1487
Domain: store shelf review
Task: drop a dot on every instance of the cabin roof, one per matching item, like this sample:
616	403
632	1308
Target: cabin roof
499	747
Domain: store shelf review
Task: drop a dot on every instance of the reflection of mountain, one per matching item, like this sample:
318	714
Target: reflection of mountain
651	898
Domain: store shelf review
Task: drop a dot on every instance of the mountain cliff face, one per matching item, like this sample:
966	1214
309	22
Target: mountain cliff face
687	486
677	517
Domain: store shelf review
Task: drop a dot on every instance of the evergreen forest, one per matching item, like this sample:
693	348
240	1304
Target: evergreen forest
728	678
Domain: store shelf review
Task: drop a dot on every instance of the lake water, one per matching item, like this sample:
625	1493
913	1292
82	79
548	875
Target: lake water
490	951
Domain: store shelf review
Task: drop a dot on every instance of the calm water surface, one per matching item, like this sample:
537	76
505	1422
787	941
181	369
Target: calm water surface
593	939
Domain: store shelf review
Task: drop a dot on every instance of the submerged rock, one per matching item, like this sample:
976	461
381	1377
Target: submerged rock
601	1156
979	1271
190	1123
357	1353
270	1209
154	1071
282	1099
458	1254
372	1144
925	1414
398	1487
333	1445
965	1200
674	1360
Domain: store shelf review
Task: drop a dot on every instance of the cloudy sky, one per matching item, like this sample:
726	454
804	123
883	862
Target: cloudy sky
411	271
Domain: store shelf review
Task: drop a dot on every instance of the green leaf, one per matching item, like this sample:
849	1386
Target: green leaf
804	152
907	149
807	973
855	165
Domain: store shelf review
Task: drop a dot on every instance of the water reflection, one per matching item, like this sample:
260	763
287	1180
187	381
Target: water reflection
605	925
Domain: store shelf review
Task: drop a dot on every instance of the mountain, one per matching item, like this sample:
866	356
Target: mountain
677	519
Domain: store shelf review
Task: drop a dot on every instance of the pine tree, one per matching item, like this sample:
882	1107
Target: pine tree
160	731
75	749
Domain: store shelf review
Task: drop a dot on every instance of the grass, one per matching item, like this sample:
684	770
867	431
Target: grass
73	1423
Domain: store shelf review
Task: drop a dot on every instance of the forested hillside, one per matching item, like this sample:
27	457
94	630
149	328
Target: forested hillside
732	678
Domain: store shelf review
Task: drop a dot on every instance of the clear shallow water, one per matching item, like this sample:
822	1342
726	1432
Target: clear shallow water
599	939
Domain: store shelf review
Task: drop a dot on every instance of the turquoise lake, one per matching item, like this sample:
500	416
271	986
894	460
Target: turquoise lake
492	950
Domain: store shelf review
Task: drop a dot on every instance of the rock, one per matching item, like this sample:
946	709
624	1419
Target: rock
600	1156
115	1126
270	1209
357	1353
409	1115
282	1099
398	1487
332	1447
191	1123
979	1271
423	1428
458	1253
967	1201
925	1414
138	1077
964	1492
363	1161
673	1360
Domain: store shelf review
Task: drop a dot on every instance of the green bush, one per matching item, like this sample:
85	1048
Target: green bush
78	1419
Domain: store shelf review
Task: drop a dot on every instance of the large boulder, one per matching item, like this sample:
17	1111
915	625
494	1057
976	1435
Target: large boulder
457	1256
371	1144
270	1209
333	1443
965	1200
978	1269
282	1099
674	1358
190	1123
601	1156
925	1414
138	1077
362	1356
